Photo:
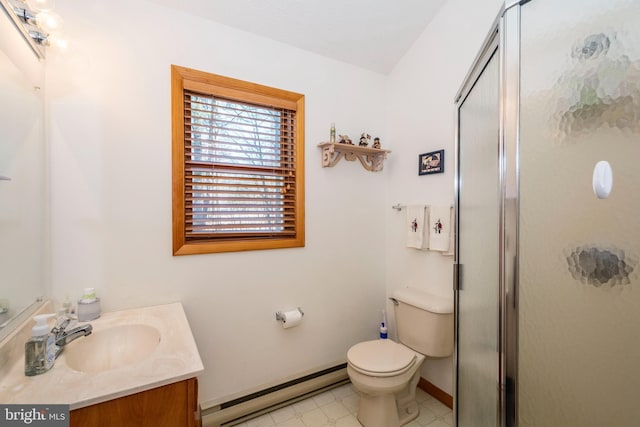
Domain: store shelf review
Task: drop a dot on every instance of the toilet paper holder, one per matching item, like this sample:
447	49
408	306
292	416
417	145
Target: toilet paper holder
280	315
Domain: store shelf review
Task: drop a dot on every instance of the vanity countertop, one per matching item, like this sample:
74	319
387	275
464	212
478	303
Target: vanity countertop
175	358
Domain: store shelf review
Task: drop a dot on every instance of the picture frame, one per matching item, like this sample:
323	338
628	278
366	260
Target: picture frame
431	162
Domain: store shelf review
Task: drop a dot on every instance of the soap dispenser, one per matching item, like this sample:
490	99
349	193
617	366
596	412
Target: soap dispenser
40	349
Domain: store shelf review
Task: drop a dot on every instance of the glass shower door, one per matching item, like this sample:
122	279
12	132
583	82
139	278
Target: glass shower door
477	251
578	281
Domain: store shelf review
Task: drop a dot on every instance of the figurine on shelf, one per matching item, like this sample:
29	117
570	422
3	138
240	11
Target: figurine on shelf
376	143
364	139
344	139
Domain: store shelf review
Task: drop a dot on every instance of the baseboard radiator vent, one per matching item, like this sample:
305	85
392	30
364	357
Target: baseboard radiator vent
241	409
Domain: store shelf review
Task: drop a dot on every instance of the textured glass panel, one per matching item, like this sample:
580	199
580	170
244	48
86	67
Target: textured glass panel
579	288
478	253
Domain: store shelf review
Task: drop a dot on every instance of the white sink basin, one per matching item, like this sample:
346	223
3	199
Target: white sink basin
111	348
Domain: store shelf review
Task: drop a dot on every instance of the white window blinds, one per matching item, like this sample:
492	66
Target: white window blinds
239	169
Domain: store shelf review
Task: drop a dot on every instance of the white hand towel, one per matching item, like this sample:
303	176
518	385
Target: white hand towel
452	235
439	228
417	237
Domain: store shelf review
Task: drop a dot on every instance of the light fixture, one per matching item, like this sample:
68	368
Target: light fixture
37	21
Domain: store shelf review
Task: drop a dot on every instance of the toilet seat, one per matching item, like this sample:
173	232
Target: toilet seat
381	358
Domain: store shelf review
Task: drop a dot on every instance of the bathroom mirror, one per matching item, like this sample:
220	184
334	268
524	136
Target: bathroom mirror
23	165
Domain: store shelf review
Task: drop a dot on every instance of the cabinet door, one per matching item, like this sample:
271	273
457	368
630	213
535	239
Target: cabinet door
172	405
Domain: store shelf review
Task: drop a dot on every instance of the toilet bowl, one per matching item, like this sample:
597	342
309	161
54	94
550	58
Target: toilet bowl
386	373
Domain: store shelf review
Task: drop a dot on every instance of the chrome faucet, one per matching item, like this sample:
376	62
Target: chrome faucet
64	337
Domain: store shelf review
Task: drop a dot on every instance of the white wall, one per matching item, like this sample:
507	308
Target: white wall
111	181
421	119
111	193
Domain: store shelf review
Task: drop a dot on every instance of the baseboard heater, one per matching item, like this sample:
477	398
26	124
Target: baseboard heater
238	410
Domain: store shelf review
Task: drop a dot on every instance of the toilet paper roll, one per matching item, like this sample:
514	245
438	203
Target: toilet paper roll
291	318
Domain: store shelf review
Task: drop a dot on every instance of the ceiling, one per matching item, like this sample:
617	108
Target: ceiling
373	34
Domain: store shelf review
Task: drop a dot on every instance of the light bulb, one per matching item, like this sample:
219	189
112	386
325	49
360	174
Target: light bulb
48	21
57	40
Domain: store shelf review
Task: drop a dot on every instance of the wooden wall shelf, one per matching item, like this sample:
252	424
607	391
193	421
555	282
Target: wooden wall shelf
372	159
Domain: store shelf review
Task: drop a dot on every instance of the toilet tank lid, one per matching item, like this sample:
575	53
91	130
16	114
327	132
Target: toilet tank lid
424	300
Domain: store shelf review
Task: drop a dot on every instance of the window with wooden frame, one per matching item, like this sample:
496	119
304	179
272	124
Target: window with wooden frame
238	164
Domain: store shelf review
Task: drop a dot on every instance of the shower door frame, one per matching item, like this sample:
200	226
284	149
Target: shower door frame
504	36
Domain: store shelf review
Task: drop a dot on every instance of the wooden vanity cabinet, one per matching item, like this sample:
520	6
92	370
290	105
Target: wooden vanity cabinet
172	405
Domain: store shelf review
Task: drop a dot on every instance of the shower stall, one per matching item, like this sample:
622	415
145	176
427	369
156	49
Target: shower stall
547	284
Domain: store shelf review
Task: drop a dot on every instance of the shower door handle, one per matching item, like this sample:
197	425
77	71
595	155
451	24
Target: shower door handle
457	276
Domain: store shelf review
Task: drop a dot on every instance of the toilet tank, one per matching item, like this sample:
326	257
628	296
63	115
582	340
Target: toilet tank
424	322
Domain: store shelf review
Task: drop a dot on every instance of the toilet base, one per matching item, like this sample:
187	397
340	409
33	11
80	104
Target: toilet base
390	409
383	411
378	411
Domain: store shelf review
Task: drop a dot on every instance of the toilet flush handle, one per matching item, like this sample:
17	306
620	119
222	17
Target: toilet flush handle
394	301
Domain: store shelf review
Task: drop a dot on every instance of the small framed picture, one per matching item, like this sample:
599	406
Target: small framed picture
430	163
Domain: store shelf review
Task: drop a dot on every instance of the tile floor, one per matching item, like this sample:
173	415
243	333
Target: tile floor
339	406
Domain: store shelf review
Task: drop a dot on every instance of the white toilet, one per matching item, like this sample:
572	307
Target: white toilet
387	373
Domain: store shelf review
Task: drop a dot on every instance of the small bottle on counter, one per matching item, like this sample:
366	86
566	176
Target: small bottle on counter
332	133
89	306
40	349
68	308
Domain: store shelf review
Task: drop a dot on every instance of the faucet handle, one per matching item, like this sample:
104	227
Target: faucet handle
61	324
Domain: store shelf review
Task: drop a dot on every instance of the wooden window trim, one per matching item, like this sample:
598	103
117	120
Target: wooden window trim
185	78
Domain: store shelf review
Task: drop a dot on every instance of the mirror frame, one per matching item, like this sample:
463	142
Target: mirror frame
14	323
